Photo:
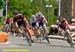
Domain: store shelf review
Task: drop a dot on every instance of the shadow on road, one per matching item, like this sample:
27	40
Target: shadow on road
60	46
22	44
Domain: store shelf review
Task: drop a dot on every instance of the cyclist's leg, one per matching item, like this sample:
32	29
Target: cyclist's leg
45	31
6	27
38	29
35	31
70	39
60	31
17	28
45	28
29	33
69	35
27	29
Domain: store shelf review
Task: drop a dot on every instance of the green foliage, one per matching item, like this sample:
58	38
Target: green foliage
28	8
0	8
0	4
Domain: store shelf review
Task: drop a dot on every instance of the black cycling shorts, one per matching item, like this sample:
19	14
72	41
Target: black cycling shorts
41	24
33	24
22	24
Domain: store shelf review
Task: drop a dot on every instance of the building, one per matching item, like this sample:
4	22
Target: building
68	10
73	8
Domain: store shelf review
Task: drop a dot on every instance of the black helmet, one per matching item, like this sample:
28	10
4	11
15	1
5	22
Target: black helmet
15	12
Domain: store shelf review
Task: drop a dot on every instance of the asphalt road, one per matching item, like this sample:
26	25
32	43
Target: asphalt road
20	42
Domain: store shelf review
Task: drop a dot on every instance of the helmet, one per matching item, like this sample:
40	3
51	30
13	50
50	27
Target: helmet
33	15
39	13
15	12
63	20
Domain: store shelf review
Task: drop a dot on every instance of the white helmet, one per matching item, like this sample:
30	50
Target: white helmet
33	16
40	14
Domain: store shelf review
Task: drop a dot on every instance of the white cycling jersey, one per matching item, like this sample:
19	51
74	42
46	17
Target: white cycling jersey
33	19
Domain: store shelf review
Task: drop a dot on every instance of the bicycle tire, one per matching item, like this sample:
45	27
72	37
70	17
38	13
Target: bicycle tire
47	39
71	43
28	39
68	40
25	34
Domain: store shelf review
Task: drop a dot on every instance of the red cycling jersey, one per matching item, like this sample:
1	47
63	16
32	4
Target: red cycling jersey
40	19
8	20
63	24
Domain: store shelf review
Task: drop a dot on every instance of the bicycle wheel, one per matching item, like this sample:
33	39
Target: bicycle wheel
70	42
68	39
46	37
40	34
25	34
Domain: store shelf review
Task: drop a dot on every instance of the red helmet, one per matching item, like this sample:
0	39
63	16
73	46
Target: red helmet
63	20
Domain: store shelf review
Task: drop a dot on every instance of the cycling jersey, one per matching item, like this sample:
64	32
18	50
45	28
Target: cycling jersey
8	20
33	22
19	19
62	24
40	21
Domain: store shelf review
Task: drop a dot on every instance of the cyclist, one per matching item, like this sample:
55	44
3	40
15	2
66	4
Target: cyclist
63	25
34	25
41	20
7	21
20	20
6	24
33	21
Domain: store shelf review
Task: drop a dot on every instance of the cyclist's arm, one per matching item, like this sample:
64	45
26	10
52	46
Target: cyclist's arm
45	20
67	23
14	22
26	21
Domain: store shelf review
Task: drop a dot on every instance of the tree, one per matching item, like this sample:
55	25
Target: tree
28	8
0	4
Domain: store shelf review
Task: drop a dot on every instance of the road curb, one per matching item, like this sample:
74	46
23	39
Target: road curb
59	38
56	37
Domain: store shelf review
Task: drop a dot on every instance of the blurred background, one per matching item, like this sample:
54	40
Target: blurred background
52	9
